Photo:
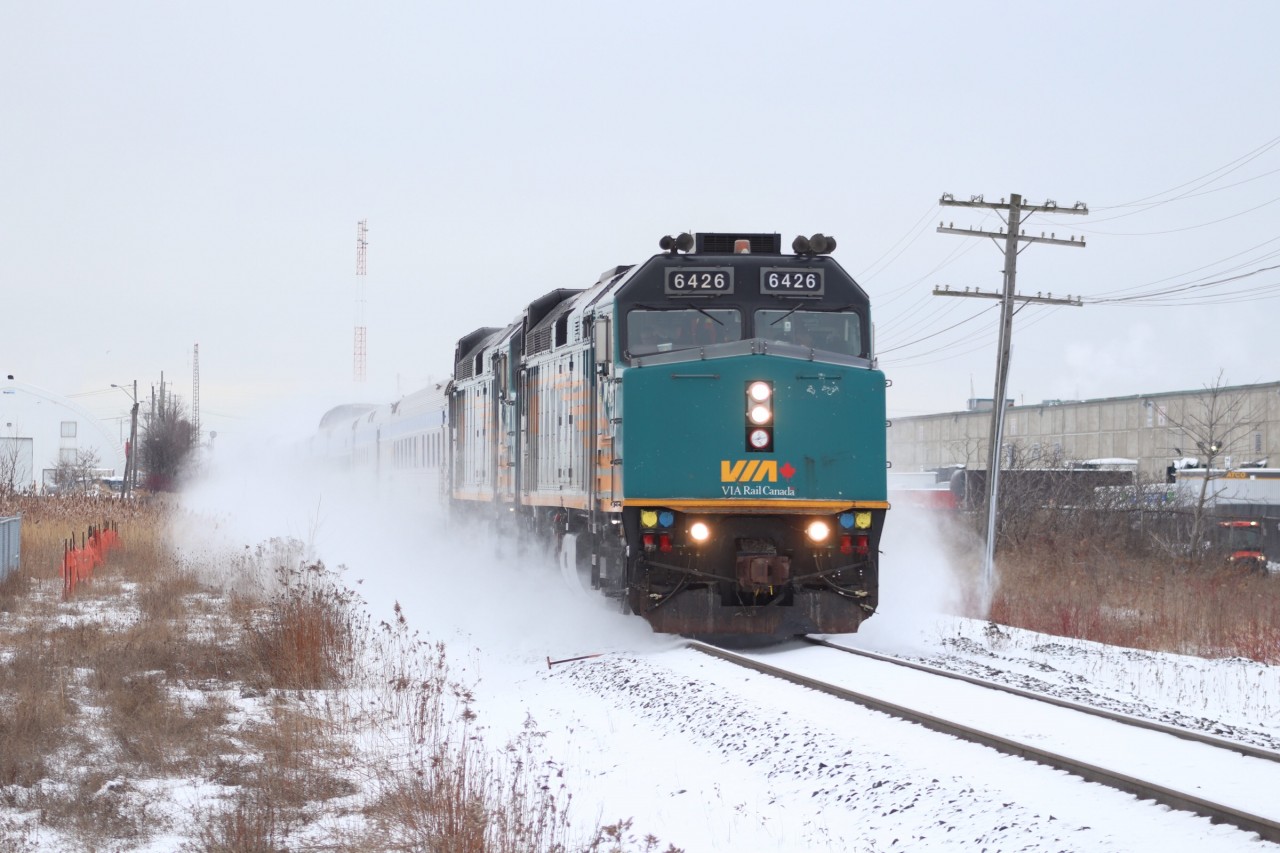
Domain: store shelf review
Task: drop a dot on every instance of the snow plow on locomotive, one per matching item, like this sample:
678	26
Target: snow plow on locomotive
708	427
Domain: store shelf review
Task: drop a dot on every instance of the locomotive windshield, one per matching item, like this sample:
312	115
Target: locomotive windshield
650	331
823	330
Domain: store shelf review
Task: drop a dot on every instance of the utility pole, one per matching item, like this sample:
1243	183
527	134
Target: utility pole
195	398
362	250
132	475
131	450
1012	235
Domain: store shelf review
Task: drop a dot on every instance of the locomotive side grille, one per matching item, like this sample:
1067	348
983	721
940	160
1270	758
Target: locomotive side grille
539	341
464	369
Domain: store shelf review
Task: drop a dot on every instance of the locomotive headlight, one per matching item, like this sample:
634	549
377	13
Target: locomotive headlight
699	531
759	391
760	414
818	531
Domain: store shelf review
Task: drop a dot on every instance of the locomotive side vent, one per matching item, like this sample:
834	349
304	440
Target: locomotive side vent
722	244
539	341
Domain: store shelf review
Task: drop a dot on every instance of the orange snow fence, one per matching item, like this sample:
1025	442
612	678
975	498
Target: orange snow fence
78	563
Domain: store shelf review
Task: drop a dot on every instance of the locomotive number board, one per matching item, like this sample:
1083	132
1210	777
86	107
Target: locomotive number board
698	281
793	280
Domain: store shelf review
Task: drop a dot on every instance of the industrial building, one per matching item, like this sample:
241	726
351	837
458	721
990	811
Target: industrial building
40	430
1154	429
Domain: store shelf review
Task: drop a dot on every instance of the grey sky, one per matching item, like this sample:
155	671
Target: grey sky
182	173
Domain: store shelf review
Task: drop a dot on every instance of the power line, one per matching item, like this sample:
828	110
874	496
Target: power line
919	228
974	316
1184	288
1182	197
1199	268
953	256
1179	230
1229	167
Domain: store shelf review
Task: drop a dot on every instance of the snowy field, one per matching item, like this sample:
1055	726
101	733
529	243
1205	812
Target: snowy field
708	757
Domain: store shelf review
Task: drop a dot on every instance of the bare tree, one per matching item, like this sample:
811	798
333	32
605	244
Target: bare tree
10	466
166	445
1214	425
77	474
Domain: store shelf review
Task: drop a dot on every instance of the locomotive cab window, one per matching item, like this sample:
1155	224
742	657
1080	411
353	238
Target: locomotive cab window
829	331
650	331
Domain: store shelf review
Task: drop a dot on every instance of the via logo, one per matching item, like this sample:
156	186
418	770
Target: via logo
753	471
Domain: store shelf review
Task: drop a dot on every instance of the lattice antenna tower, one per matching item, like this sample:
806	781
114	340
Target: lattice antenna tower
362	250
195	397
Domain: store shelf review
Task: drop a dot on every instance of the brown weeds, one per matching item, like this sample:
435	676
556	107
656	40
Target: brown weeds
1075	579
306	638
36	710
132	682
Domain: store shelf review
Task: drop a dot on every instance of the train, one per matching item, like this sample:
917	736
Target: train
704	432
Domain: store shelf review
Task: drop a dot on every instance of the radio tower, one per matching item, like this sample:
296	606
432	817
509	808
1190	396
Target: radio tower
195	398
362	248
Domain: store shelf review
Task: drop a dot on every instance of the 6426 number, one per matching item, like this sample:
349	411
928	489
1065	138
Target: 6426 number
699	281
791	281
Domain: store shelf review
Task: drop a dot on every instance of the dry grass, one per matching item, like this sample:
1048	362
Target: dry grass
36	710
306	638
1075	580
13	590
275	696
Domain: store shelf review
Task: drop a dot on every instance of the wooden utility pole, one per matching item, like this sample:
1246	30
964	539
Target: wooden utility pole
1012	236
131	464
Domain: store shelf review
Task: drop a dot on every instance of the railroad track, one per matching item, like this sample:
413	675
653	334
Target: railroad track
1137	722
1186	797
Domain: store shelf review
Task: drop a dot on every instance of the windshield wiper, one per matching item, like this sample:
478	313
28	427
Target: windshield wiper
706	313
820	310
786	315
694	307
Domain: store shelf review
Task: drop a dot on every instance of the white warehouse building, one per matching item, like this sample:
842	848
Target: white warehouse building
40	430
1153	430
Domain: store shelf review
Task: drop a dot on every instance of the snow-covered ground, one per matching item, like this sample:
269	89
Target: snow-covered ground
709	757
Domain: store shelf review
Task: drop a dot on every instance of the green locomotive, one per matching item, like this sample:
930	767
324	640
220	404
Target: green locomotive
709	426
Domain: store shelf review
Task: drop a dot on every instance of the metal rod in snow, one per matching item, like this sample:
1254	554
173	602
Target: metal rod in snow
551	663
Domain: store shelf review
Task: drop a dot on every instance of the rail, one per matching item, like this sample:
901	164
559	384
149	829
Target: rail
1265	827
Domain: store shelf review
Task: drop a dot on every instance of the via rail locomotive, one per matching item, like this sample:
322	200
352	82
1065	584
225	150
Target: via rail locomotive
708	424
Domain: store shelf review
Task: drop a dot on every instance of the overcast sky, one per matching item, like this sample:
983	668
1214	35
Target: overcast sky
174	174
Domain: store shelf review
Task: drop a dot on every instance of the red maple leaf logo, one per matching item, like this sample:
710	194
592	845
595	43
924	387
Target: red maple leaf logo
787	471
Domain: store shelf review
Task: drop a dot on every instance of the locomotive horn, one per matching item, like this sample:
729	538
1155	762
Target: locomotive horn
822	244
684	242
800	245
667	244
